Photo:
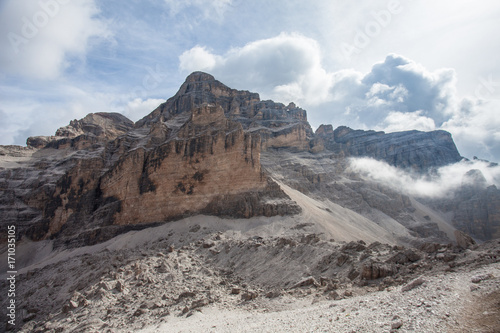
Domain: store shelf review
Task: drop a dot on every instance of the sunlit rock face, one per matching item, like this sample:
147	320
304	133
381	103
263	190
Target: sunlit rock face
102	174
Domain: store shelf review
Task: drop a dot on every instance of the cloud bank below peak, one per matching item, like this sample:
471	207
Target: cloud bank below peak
397	94
444	182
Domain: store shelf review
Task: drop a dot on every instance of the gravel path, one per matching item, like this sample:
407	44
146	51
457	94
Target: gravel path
443	303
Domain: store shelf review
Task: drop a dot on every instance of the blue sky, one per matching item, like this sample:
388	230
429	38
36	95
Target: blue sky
385	65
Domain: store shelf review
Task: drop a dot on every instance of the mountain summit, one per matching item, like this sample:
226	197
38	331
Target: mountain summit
218	151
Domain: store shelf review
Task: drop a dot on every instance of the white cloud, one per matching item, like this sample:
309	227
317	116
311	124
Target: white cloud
197	59
284	67
441	184
209	9
476	128
39	37
402	121
397	94
138	108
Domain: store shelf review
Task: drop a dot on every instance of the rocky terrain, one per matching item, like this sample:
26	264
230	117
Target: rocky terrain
218	208
215	275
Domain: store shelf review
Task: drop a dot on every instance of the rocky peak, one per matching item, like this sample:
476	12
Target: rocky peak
108	125
199	77
324	131
474	178
198	89
94	127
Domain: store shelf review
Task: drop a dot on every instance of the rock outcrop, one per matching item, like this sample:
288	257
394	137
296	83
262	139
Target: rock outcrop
95	127
410	149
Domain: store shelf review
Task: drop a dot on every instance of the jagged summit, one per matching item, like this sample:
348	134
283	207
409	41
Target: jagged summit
200	88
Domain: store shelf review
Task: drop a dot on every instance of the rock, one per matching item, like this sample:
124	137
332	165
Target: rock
413	284
354	246
105	285
308	281
120	286
139	312
375	270
430	247
464	241
396	325
310	239
249	295
353	274
199	303
411	149
207	245
273	294
195	228
186	294
479	278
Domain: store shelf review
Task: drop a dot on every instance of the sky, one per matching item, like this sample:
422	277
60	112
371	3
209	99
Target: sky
385	65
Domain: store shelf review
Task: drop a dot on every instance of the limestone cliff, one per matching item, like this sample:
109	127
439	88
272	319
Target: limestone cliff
410	149
102	174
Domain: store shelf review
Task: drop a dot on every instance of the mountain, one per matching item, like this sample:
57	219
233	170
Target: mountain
219	208
218	151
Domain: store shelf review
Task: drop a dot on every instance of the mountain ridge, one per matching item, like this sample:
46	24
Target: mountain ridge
200	153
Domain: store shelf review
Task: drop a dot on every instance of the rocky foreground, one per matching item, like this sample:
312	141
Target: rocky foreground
206	274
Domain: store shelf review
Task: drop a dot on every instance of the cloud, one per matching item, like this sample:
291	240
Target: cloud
284	67
401	121
476	128
138	108
397	94
440	184
206	9
197	59
26	113
395	90
39	39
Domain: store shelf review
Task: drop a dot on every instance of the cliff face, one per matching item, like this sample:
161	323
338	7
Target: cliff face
411	149
102	175
200	153
209	156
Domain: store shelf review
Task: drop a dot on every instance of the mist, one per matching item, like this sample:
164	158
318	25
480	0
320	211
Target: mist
436	184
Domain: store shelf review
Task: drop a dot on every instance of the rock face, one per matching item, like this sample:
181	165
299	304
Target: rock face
215	150
411	149
103	175
279	126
